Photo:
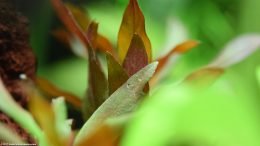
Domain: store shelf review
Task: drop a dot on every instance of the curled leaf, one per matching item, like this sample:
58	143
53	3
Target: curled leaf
53	91
122	101
116	74
136	57
237	50
133	23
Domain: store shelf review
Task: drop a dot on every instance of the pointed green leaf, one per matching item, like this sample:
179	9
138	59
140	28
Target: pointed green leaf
122	101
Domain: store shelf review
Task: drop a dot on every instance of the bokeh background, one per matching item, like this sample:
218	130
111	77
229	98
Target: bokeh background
168	22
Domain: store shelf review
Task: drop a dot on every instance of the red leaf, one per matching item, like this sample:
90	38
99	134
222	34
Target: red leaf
136	57
133	23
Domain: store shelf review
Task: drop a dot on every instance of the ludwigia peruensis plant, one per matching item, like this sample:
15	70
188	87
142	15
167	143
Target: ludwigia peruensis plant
109	107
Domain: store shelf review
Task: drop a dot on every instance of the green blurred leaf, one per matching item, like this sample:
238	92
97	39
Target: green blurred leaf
183	115
258	75
21	116
122	101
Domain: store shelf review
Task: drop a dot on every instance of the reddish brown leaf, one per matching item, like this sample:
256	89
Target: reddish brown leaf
98	86
62	35
80	15
77	21
133	23
50	89
69	21
117	76
136	57
43	113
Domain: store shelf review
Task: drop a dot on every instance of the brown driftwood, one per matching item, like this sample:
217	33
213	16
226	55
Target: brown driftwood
16	59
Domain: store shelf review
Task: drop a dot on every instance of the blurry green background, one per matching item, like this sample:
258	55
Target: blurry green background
168	22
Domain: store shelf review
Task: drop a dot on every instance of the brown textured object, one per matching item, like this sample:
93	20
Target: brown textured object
16	58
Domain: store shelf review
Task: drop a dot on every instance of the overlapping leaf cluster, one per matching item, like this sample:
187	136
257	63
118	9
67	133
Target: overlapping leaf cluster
110	99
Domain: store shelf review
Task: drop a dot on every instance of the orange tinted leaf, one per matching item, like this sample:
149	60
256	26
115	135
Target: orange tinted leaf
116	74
163	61
98	86
133	23
204	76
54	91
107	133
42	111
136	57
102	136
80	15
62	35
182	48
